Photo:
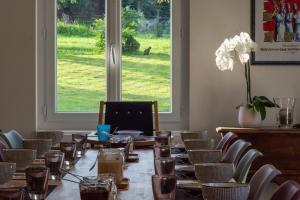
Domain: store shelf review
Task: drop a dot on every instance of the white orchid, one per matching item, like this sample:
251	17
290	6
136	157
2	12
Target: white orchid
237	48
240	46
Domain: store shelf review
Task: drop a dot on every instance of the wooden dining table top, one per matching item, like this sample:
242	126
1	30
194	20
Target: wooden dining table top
139	174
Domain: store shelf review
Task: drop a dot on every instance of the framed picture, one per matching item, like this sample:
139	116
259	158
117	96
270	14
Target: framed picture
276	30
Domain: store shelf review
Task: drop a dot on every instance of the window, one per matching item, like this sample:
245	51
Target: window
109	50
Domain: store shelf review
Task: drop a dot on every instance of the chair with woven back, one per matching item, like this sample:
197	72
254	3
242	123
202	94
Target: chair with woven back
130	115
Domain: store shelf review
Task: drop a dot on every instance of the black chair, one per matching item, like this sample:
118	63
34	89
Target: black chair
129	115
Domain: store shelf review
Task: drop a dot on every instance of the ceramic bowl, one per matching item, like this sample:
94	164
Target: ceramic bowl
225	191
194	135
7	170
41	146
22	157
56	136
214	172
204	156
192	144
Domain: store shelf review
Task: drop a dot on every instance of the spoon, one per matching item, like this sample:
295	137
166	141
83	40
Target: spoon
74	175
94	164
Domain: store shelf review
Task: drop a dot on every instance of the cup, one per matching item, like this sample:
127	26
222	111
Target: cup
162	140
103	132
94	190
164	187
37	182
164	166
54	160
69	149
80	140
285	111
11	194
161	151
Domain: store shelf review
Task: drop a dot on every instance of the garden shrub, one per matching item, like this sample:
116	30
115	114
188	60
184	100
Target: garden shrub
75	29
99	26
129	43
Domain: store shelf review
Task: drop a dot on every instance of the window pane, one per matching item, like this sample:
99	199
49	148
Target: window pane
81	82
146	45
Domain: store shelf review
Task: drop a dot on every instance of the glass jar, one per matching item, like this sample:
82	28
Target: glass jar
111	161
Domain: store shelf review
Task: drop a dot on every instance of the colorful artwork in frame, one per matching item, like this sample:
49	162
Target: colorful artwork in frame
276	30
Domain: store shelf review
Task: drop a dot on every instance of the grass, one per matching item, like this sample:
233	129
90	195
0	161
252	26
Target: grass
81	81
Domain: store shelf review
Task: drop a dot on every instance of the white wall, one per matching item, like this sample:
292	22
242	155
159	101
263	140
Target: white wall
17	66
215	94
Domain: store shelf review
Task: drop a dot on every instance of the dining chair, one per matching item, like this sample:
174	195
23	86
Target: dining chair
296	196
2	146
244	165
235	151
194	135
225	142
130	115
261	180
13	139
286	191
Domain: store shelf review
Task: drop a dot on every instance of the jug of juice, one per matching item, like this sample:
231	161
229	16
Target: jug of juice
111	160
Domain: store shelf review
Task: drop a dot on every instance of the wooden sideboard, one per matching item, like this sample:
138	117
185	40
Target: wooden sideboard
280	146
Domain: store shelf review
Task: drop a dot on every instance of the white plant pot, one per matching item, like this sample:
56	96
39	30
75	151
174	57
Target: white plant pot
248	118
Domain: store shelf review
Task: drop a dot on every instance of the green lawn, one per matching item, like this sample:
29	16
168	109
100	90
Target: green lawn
81	82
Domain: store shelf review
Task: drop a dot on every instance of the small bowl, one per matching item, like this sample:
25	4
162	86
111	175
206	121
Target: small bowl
22	157
42	146
56	136
194	135
192	144
214	172
204	156
7	170
225	191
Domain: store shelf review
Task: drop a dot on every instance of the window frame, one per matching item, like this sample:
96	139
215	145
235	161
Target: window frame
47	115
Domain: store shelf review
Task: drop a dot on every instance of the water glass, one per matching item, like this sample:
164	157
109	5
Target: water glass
162	140
285	111
80	140
164	166
69	149
161	151
54	160
11	194
37	182
164	187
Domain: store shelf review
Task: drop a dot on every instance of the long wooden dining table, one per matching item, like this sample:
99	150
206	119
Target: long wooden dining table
139	174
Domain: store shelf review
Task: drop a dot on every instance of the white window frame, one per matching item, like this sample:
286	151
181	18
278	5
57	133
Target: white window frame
46	59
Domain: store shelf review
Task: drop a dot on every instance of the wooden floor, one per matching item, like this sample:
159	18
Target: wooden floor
138	173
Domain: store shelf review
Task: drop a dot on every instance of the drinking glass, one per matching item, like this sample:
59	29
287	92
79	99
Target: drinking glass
285	111
54	160
37	182
164	166
162	140
69	148
164	187
11	194
80	140
161	151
